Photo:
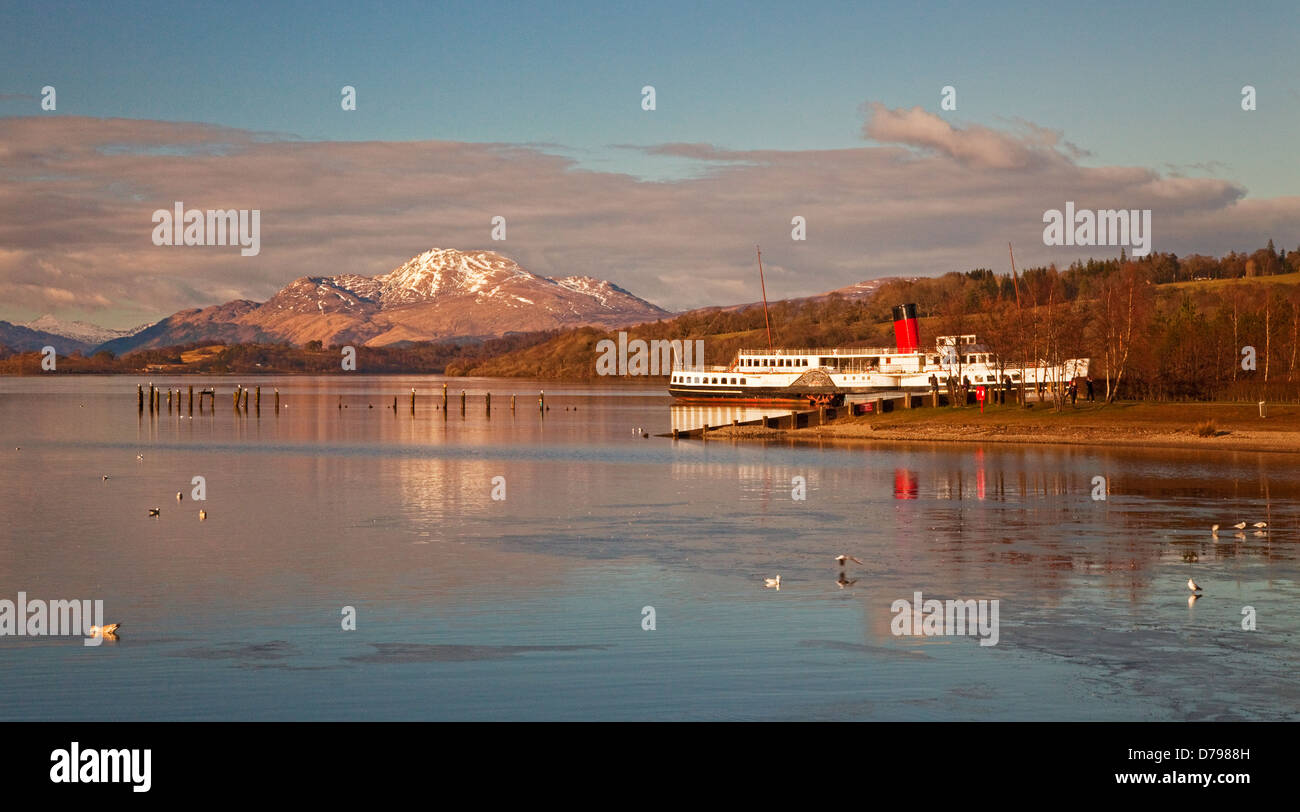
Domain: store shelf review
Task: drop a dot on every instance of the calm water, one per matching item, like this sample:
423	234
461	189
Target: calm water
531	607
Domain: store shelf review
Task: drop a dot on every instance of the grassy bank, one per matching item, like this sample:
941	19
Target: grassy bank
1211	426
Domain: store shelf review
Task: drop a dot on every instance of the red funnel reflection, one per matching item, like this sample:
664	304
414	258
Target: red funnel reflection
905	484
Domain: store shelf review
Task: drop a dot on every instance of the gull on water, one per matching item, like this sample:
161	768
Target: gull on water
154	511
203	515
772	582
1260	524
179	497
840	559
1240	525
1192	585
107	630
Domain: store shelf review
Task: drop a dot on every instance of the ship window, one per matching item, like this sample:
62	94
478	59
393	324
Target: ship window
742	381
733	381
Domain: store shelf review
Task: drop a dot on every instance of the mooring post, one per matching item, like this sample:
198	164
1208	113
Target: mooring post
257	400
674	434
487	400
444	397
394	404
412	400
277	400
512	402
191	400
541	401
245	400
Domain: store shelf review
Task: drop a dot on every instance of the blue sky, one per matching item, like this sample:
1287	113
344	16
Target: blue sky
765	106
1153	85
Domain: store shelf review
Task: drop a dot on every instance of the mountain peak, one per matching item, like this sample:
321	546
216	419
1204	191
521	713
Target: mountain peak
441	271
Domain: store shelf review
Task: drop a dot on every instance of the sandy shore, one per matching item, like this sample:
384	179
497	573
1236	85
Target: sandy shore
1236	427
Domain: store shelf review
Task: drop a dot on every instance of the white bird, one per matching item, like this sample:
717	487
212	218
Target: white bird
203	515
1260	524
1192	585
139	456
107	630
154	511
1214	529
105	477
1240	525
179	497
772	582
840	559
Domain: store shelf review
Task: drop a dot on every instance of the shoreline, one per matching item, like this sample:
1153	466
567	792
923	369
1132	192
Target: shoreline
1131	425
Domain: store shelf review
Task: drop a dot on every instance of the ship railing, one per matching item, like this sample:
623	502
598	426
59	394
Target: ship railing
831	351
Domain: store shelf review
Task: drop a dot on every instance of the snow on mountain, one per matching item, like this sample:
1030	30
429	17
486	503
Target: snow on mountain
84	332
446	271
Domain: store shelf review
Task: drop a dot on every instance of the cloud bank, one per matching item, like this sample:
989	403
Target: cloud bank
925	198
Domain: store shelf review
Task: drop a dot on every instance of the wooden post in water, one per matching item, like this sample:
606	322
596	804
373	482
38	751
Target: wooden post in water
512	403
444	399
157	400
277	400
257	400
462	402
191	400
488	403
139	396
412	401
541	401
394	404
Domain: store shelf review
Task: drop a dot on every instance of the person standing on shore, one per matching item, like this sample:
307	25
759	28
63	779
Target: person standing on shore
1074	392
1089	388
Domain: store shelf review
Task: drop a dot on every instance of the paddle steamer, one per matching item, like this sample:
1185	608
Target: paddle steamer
829	376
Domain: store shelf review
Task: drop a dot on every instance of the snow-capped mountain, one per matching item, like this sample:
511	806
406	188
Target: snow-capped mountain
86	333
441	293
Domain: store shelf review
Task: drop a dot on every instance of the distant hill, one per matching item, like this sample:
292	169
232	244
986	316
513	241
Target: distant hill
24	339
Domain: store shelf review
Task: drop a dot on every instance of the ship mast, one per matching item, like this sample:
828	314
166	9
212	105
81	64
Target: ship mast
1014	282
766	322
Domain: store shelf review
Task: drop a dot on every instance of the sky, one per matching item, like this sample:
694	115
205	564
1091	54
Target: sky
533	112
